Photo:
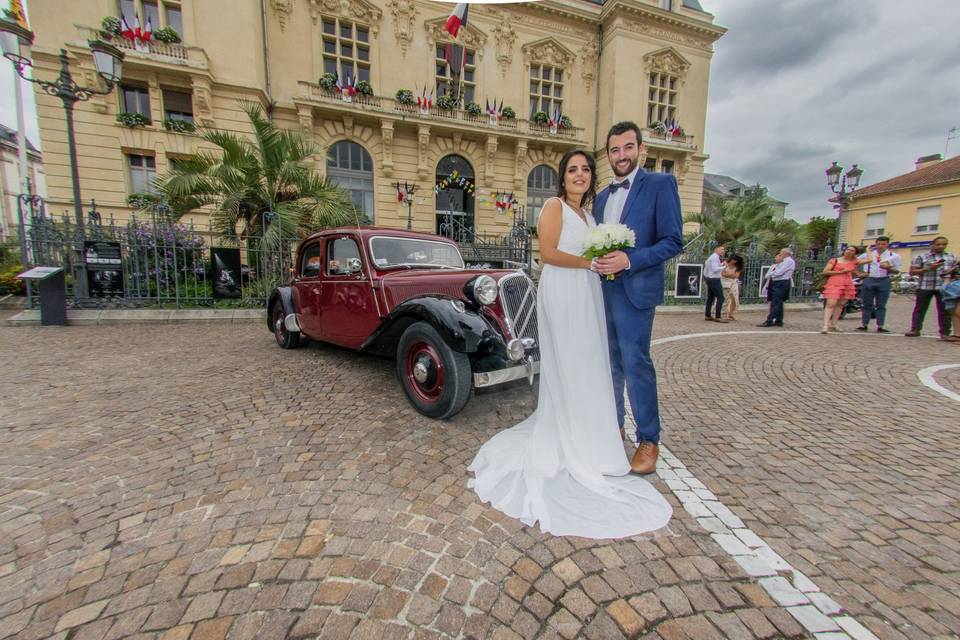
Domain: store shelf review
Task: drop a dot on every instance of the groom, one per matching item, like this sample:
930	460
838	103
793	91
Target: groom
648	203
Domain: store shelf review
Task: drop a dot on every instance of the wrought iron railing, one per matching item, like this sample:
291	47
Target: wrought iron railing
488	249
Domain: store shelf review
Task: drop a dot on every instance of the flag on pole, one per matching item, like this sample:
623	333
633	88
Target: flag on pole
137	32
457	19
499	109
337	83
17	14
148	32
430	99
125	29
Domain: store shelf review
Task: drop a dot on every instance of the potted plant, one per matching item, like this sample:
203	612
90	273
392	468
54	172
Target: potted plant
328	81
658	127
167	34
509	113
473	109
447	102
364	88
405	96
132	120
109	27
179	126
540	118
565	122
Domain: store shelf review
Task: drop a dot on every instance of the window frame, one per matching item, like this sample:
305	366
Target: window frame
919	229
143	90
306	255
873	232
361	69
540	192
657	109
149	173
445	80
349	176
166	110
550	96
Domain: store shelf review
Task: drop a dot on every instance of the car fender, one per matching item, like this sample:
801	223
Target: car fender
284	296
463	328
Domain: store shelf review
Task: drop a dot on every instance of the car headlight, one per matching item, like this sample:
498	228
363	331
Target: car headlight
482	290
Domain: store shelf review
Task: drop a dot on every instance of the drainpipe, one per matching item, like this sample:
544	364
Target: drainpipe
266	57
596	118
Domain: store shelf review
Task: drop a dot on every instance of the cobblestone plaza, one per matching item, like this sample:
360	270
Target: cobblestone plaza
195	481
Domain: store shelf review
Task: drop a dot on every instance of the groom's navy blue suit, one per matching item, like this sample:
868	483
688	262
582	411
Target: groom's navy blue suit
652	211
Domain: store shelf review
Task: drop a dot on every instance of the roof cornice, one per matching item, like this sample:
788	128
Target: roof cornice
671	18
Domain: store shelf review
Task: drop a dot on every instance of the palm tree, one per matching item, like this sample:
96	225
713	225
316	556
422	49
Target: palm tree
263	184
744	221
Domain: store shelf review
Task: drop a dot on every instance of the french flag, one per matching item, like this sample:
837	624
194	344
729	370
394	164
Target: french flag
148	32
125	29
457	19
137	33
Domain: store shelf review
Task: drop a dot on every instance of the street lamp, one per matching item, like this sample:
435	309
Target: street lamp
16	42
405	196
843	186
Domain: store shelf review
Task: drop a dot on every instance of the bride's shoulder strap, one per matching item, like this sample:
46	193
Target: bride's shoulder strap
553	202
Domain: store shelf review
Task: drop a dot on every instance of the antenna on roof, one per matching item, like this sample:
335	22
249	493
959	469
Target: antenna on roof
952	134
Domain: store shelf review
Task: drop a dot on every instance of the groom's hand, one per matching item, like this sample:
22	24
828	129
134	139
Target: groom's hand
613	262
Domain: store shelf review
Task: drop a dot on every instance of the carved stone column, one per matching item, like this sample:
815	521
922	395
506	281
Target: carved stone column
423	152
489	168
518	161
386	137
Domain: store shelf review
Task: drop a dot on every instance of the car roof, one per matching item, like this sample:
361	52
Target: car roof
367	232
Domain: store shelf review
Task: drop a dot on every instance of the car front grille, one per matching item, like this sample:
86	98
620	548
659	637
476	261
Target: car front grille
518	297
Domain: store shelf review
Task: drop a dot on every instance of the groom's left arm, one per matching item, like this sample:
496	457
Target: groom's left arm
669	229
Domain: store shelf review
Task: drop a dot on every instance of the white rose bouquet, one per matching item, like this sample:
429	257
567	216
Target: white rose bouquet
605	238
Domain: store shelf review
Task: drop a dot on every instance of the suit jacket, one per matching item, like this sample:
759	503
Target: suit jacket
652	211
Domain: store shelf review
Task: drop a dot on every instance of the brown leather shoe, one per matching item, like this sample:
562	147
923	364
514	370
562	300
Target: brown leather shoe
912	333
645	459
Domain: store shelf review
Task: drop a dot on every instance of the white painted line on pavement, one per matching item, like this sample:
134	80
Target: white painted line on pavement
815	611
926	377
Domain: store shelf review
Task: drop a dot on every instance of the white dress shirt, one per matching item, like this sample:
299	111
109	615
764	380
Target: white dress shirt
873	268
713	267
783	270
614	206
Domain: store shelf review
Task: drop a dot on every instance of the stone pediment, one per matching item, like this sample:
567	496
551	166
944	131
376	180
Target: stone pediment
666	60
359	10
548	51
470	36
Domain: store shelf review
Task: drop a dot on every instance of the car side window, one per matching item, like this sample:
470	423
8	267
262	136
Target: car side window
310	265
343	257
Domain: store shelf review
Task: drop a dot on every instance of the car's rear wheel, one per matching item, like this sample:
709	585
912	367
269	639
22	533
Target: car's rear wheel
436	379
285	338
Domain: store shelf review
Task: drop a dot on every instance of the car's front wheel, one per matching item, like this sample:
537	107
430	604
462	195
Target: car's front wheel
285	338
436	379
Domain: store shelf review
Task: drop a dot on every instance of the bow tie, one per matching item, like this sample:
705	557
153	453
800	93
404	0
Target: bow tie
619	185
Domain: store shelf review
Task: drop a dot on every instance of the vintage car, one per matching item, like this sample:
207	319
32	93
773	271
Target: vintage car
408	295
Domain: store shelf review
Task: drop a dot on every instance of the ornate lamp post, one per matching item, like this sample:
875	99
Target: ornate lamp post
405	196
843	187
16	42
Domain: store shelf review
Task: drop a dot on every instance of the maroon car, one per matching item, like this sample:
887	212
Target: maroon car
408	295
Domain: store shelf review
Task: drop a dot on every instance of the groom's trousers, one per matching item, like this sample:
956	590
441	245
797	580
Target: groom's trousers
629	330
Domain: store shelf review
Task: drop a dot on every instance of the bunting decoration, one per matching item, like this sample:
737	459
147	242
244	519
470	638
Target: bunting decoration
455	180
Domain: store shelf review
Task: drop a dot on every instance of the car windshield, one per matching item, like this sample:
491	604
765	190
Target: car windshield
414	253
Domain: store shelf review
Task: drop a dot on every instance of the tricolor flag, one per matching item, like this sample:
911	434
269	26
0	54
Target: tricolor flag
488	110
337	83
500	109
145	36
399	193
430	99
125	29
457	19
137	33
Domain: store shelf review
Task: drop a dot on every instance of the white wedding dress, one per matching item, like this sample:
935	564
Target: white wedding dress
565	466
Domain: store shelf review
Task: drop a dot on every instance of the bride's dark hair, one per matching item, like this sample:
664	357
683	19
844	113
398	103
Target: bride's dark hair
591	191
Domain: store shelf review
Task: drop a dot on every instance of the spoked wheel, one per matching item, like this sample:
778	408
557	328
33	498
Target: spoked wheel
285	338
435	378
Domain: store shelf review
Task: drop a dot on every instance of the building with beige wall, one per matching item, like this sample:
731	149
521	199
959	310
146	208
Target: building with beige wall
913	208
10	187
643	60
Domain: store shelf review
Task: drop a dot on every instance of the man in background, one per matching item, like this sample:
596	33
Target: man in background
712	270
778	288
933	267
875	288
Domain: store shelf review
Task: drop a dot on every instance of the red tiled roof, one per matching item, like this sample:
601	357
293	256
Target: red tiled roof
939	173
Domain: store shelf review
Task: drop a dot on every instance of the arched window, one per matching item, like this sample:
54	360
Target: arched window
350	166
454	204
541	185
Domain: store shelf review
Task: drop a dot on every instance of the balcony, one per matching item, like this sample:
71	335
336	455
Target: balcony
658	140
153	50
445	119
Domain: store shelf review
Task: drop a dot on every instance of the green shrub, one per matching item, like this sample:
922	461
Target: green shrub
364	88
565	122
509	113
9	282
328	81
447	102
405	96
132	120
473	109
110	25
540	117
167	34
179	126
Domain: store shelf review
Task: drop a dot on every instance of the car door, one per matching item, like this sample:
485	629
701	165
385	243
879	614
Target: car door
349	310
307	290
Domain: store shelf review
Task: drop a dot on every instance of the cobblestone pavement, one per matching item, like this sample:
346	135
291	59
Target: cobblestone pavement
194	481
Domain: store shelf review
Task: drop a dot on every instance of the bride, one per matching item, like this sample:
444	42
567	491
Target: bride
565	466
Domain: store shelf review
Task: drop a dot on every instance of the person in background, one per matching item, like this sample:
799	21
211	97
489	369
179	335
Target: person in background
951	301
712	272
839	286
880	264
778	288
934	268
730	280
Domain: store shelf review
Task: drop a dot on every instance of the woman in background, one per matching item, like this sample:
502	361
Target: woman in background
730	281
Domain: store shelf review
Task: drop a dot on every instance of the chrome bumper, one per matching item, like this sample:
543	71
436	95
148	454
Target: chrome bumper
527	370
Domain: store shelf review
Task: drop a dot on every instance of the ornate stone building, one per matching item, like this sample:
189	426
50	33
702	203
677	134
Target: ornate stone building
596	63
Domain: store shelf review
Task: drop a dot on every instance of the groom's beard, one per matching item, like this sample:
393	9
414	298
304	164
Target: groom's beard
628	171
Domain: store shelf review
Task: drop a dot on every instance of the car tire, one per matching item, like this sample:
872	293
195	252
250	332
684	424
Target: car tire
285	338
440	386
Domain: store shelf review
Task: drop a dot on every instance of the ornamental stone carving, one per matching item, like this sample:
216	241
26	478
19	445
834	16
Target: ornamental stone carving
423	151
283	9
547	51
386	136
359	10
470	37
505	37
203	100
663	34
490	169
588	55
404	14
520	157
666	61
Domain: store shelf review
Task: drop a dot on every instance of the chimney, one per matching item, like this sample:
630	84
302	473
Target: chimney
927	161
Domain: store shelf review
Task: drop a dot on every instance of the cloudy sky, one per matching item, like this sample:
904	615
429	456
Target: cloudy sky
796	84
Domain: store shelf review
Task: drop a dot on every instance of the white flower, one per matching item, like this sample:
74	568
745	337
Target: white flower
605	238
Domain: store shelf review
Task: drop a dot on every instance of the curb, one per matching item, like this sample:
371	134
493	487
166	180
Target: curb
87	317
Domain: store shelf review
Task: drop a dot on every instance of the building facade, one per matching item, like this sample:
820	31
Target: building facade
728	188
10	187
913	208
596	63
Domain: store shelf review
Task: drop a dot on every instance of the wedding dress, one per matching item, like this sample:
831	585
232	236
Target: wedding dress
565	466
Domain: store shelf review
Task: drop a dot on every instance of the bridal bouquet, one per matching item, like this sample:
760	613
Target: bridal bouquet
605	238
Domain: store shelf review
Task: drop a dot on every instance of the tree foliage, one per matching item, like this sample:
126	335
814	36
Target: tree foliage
738	223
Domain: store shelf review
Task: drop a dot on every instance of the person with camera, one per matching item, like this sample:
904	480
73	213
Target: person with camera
933	268
880	264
